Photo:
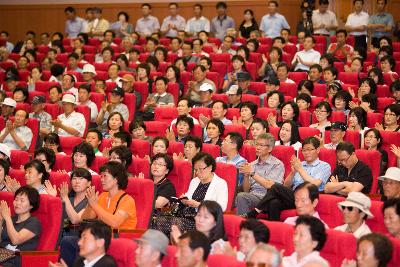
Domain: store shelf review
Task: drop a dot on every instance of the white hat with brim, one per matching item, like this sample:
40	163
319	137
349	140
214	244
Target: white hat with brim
392	173
9	102
68	98
5	150
206	87
89	68
359	201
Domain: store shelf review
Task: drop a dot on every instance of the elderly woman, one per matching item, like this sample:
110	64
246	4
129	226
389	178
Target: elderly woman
391	214
83	157
259	126
137	129
22	230
309	238
391	117
215	129
355	209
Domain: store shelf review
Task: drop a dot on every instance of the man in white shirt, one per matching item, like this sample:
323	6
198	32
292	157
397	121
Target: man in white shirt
323	19
357	24
152	246
304	59
173	23
272	23
84	99
148	24
70	123
74	24
16	135
184	107
198	22
68	84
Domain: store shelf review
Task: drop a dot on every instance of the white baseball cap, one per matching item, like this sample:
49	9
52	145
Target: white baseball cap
5	150
205	87
68	98
89	68
9	102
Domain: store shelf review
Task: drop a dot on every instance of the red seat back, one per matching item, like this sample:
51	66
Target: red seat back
289	89
284	153
140	148
263	113
85	111
18	174
180	176
373	159
281	236
395	261
98	162
139	165
232	112
195	112
68	143
123	251
376	224
44	86
18	158
57	178
220	260
235	128
213	150
155	128
165	114
373	118
232	230
258	87
339	246
228	172
297	76
63	162
390	138
251	98
143	89
248	152
175	147
308	132
329	211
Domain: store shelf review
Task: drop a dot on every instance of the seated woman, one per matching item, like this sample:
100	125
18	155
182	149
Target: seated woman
376	75
52	141
184	125
303	101
340	102
215	129
322	113
21	231
366	86
121	154
115	124
160	145
333	88
210	221
137	129
289	111
275	99
4	169
309	238
114	207
270	65
355	209
74	201
355	66
289	135
388	65
259	126
369	103
357	120
82	157
248	111
390	119
391	214
373	141
161	165
374	250
173	75
238	65
46	156
305	87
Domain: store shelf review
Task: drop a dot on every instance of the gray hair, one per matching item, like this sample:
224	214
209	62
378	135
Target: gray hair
269	137
130	39
276	256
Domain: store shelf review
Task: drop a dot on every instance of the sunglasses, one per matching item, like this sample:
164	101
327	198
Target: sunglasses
347	208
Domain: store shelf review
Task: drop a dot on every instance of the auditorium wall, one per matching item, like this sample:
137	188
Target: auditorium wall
44	17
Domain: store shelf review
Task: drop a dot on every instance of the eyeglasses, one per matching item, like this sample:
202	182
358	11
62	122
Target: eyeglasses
158	164
200	169
317	111
262	145
341	161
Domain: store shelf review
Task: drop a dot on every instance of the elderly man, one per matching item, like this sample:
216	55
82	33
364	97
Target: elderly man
38	104
127	85
68	84
152	247
234	96
88	73
259	175
264	255
114	105
337	133
70	123
7	108
391	183
350	174
199	74
16	135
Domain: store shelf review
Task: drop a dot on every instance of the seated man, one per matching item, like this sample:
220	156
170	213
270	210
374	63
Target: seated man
259	175
184	107
38	112
231	145
16	135
391	183
151	248
350	174
337	133
93	243
355	209
234	96
193	249
7	108
70	123
68	84
264	255
244	79
114	105
340	49
307	57
199	75
306	198
94	138
312	170
127	86
84	99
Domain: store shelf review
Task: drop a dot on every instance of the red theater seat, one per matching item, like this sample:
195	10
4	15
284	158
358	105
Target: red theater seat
18	158
165	114
68	143
284	153
339	246
155	128
213	150
281	236
235	128
372	158
140	148
228	172
139	165
63	162
232	230
181	176
123	251
195	112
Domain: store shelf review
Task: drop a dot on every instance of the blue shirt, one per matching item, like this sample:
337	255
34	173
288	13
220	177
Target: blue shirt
381	18
318	170
272	25
74	27
220	25
237	161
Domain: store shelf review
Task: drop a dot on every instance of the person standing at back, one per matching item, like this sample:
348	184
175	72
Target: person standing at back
357	24
272	23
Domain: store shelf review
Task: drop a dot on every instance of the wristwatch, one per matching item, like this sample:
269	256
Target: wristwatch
252	174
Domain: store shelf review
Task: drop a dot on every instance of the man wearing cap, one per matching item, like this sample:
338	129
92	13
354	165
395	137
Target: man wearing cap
68	84
84	99
88	73
16	135
70	123
272	83
355	209
38	112
391	183
114	105
205	93
350	174
7	108
234	96
337	133
11	81
152	247
244	79
127	86
199	75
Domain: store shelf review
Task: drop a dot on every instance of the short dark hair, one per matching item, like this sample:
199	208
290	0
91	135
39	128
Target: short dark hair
361	115
201	67
224	105
198	240
219	124
312	141
354	1
24	91
32	195
273	2
345	146
236	138
262	122
125	14
146	4
377	134
326	106
53	138
124	154
316	66
207	158
377	72
121	128
96	131
168	161
383	247
81	172
85	86
392	203
371	84
162	78
372	99
186	119
304	97
341	31
316	227
260	231
250	105
56	70
152	39
5	164
69	9
86	149
313	191
107	48
99	230
173	4
221	5
125	137
198	5
391	60
395	108
395	86
117	170
160	138
196	140
136	124
309	85
48	154
246	51
333	70
342	94
295	107
40	168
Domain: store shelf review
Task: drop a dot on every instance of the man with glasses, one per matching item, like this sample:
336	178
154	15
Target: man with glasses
281	197
260	175
350	174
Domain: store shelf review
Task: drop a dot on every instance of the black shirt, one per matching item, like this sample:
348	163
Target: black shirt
360	173
31	224
165	189
245	31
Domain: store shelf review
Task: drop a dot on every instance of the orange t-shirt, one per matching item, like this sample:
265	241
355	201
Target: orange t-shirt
126	204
